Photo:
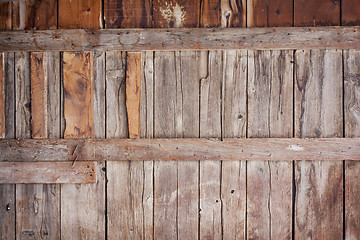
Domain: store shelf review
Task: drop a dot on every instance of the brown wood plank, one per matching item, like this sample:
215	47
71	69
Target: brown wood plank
128	14
84	205
352	129
211	72
233	181
80	14
5	15
350	12
40	14
269	184
181	39
7	191
316	13
2	96
318	113
275	13
176	149
49	172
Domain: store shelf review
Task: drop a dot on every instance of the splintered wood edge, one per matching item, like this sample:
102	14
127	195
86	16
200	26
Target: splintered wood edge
47	172
252	149
181	39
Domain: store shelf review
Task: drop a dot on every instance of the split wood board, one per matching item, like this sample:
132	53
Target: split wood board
181	39
180	149
49	172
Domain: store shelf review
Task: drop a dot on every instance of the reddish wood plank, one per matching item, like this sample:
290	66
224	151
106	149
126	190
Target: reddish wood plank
39	14
78	94
128	14
316	13
133	80
5	15
80	14
350	10
40	172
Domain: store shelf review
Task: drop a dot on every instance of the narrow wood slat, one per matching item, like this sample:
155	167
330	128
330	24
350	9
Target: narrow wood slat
49	172
181	39
177	149
269	183
2	96
80	14
352	129
318	113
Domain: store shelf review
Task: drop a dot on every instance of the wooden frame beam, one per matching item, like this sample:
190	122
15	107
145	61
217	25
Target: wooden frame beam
49	150
181	39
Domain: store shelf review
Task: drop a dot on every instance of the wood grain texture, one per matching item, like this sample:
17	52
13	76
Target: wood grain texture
7	191
128	14
234	118
350	12
5	15
82	206
99	83
318	113
34	14
269	184
175	13
78	94
80	14
275	13
211	73
181	39
50	172
133	91
2	96
352	129
316	13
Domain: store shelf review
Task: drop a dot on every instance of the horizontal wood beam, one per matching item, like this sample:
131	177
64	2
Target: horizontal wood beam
47	172
180	149
181	39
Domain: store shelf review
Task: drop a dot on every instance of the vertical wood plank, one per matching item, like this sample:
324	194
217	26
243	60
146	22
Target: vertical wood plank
5	15
7	191
350	12
318	113
269	184
80	14
2	96
233	182
211	73
128	14
275	13
40	14
82	206
352	129
99	75
316	13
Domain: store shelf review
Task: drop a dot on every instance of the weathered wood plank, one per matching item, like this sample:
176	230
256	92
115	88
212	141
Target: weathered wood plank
80	14
350	12
276	13
128	14
234	118
7	191
352	129
40	14
269	184
99	84
45	172
2	96
5	15
211	73
177	149
181	39
82	206
316	13
318	113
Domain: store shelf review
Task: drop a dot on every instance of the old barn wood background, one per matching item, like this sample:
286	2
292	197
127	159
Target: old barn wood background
296	93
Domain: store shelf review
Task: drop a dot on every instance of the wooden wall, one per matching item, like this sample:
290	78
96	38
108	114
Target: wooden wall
184	94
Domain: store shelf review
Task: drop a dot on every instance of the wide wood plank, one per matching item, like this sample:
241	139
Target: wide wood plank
48	172
82	206
7	191
269	184
352	129
350	12
181	39
80	14
318	113
5	15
